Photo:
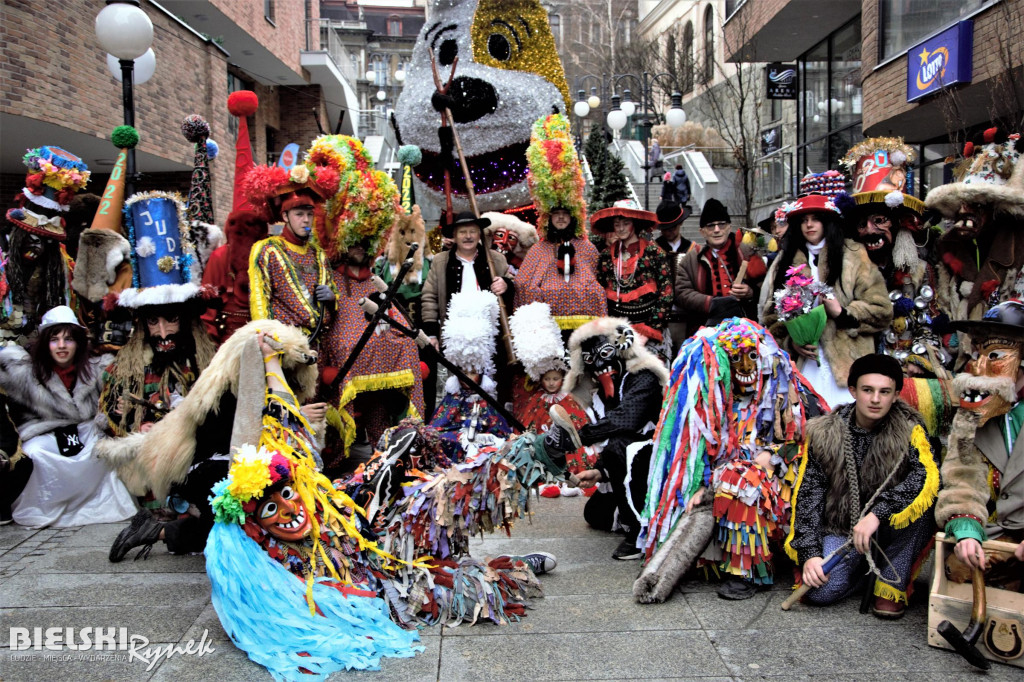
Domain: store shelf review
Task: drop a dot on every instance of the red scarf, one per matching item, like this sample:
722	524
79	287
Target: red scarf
67	375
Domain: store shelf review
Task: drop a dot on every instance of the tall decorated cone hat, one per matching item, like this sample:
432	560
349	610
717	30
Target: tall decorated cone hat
879	169
54	176
103	265
200	203
242	104
555	178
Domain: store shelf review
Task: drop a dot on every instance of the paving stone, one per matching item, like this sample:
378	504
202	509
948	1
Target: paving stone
155	623
566	550
98	535
590	613
129	589
80	559
584	656
600	577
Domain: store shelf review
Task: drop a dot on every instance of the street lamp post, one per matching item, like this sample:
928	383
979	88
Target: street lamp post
625	108
126	32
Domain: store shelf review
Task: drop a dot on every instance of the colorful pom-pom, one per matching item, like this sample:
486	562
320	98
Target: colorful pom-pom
195	128
124	137
243	103
409	155
212	149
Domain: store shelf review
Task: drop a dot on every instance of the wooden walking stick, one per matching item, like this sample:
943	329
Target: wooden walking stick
447	120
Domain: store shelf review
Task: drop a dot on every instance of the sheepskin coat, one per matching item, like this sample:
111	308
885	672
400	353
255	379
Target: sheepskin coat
862	293
37	408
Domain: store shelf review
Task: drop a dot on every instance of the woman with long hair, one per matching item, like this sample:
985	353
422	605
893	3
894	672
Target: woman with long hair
858	309
53	399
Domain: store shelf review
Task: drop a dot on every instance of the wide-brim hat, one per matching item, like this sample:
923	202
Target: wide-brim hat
37	223
812	203
461	220
1005	319
989	174
895	200
603	221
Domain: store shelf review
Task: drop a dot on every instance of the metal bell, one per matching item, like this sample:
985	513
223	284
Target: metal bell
927	293
920	302
901	355
919	349
890	337
895	295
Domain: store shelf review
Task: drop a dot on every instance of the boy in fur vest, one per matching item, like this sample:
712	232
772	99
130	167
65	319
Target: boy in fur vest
869	479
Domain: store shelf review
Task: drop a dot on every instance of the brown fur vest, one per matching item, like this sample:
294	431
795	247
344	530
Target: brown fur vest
826	436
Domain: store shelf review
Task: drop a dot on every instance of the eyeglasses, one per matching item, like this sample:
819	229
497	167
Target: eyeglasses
715	226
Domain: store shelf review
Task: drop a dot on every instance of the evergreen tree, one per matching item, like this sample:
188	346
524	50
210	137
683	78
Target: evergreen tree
596	152
616	185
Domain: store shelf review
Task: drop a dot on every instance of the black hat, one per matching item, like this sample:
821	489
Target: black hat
462	219
768	224
876	363
671	213
1005	319
714	211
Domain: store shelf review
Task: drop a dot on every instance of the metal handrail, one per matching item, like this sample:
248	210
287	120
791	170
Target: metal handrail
327	40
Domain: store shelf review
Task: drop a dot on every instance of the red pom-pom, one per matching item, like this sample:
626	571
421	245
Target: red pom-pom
988	287
243	103
990	135
34	182
969	149
262	182
327	179
424	370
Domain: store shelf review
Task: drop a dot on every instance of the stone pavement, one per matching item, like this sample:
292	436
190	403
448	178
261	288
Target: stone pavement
587	627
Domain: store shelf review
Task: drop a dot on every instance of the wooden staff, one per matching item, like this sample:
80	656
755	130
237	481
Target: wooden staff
447	120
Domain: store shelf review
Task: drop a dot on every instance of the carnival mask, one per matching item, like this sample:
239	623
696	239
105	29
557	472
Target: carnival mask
601	360
284	516
32	248
743	365
504	241
989	387
875	233
971	219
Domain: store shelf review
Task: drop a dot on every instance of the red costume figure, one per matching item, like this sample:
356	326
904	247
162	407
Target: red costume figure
228	268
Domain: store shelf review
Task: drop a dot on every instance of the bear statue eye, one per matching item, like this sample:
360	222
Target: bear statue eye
499	47
448	51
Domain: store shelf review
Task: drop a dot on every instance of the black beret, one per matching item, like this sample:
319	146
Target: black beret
876	364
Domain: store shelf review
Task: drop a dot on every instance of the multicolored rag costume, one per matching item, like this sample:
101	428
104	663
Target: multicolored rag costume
733	395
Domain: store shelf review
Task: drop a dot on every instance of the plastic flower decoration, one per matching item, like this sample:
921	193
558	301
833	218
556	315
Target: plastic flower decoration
801	293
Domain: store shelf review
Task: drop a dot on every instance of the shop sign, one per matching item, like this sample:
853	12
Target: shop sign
941	61
780	81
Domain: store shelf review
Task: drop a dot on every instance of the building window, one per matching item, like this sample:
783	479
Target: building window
555	21
268	11
904	23
829	102
709	45
670	53
687	58
394	25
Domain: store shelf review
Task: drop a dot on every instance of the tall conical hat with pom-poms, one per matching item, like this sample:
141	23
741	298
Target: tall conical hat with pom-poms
242	104
555	177
364	207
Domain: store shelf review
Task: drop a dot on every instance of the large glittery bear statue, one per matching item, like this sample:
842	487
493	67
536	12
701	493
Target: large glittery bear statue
505	74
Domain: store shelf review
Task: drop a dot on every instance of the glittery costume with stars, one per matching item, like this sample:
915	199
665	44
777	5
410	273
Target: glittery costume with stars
560	268
734	384
464	419
358	218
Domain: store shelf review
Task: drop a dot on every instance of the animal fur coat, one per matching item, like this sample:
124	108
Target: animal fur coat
37	408
157	459
862	293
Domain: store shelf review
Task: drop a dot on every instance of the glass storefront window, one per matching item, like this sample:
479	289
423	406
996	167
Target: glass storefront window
905	23
814	92
845	75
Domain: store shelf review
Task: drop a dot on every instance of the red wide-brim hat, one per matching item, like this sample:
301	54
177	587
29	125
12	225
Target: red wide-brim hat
811	203
603	221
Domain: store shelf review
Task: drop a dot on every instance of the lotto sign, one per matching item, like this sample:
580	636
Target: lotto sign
941	61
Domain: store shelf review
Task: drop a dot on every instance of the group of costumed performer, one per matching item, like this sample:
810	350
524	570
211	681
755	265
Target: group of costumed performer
337	194
307	574
722	465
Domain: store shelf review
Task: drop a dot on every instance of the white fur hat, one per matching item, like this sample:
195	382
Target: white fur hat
537	340
469	331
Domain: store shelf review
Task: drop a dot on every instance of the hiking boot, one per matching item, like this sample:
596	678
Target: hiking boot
539	562
887	609
627	551
143	531
736	589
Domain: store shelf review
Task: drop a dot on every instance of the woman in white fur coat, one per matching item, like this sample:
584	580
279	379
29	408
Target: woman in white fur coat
53	399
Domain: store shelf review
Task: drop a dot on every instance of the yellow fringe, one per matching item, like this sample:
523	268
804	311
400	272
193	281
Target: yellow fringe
796	491
887	591
926	498
346	423
573	321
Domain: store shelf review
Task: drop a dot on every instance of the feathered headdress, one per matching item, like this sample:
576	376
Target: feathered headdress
365	205
555	177
537	340
469	331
